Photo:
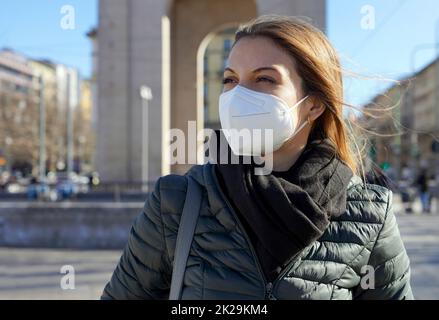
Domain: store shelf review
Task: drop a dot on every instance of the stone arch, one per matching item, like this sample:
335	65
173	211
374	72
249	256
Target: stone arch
156	44
193	22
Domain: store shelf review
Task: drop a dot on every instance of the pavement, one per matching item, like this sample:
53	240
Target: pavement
36	273
420	234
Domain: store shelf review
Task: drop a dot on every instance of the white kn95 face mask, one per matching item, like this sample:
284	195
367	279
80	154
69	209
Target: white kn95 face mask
256	123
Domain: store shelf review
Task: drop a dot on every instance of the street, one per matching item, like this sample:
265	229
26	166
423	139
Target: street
35	273
421	239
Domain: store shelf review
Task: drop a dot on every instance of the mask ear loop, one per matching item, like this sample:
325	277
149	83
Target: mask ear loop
303	125
308	121
298	103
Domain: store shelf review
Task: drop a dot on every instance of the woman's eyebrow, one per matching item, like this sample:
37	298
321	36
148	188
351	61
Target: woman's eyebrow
255	70
265	69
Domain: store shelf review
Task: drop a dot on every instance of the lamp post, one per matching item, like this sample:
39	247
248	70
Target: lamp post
146	96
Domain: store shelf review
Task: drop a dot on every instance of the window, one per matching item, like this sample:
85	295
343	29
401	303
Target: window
227	46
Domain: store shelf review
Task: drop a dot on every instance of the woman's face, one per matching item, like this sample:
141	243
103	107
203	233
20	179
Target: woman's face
260	65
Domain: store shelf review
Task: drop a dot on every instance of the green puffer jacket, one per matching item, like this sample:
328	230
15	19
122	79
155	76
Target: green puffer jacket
223	265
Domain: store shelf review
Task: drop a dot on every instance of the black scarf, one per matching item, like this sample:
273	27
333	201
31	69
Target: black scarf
285	212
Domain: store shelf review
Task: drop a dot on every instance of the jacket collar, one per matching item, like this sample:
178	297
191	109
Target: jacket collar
355	180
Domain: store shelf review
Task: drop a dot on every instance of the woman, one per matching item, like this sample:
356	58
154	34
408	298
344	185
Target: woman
310	229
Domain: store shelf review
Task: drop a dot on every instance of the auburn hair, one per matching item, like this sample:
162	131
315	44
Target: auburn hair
319	67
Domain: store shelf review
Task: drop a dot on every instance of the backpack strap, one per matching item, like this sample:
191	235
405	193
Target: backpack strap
185	236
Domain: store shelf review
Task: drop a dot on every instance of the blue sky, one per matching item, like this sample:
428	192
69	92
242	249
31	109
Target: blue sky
33	28
401	27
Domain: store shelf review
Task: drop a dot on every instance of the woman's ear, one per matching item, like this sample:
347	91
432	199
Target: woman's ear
317	108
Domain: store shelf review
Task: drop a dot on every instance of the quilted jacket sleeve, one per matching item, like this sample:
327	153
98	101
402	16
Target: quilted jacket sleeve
143	271
391	264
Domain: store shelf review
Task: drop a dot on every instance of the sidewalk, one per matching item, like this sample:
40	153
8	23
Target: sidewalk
420	234
35	273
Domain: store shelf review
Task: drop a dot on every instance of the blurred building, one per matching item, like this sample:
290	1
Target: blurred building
86	101
416	108
387	147
61	85
46	70
162	45
15	73
425	111
83	128
68	87
18	99
20	89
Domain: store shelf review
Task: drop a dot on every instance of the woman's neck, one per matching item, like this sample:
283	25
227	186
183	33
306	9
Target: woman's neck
285	157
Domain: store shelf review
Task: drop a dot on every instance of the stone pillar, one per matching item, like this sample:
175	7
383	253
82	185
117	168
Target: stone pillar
133	40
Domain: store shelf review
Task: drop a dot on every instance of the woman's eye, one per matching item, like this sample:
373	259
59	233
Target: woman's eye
266	79
227	80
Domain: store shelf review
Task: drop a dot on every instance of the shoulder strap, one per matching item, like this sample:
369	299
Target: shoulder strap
185	235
